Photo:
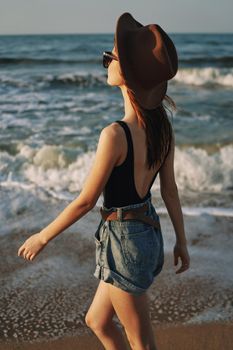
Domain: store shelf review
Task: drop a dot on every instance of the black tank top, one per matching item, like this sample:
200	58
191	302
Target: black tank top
120	188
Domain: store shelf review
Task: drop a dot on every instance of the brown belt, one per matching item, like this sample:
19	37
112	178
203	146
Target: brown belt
131	214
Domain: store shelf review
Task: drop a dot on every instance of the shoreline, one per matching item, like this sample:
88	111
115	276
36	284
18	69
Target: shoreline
208	336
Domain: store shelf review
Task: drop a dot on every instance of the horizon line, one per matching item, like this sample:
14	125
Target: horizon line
102	33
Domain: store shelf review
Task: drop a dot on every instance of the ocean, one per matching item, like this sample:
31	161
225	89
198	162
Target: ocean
54	101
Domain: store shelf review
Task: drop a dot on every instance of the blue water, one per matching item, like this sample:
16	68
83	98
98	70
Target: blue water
54	100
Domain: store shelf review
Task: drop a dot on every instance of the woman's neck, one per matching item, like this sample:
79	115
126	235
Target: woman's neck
130	114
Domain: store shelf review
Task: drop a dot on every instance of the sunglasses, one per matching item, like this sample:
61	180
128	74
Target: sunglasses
108	56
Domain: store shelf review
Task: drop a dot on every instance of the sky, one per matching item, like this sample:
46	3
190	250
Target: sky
100	16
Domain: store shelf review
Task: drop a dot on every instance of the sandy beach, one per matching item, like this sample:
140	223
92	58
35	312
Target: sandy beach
208	336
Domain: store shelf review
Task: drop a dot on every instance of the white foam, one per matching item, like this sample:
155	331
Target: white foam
215	313
197	170
49	167
203	76
197	211
50	170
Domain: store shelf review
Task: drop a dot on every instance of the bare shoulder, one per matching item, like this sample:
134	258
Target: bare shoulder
113	132
114	127
110	140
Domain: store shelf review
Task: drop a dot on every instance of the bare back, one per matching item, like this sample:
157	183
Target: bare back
142	175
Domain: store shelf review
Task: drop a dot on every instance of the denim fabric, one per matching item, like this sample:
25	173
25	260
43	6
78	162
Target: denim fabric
129	253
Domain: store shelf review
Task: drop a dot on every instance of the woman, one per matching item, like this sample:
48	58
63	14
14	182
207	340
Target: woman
130	153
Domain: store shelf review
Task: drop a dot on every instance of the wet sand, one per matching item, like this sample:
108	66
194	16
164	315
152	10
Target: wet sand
209	336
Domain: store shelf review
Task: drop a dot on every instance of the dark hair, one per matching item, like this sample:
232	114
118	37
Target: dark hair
158	129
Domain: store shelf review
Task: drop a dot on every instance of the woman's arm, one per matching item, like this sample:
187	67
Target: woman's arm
170	196
107	155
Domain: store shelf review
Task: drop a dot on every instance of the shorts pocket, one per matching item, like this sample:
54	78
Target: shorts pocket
97	235
141	249
98	243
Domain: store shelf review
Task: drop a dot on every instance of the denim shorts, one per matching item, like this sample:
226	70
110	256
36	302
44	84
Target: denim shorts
129	253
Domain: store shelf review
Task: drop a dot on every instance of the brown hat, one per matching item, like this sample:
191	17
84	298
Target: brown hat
147	58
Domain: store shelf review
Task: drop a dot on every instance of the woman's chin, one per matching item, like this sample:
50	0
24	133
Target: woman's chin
112	83
109	82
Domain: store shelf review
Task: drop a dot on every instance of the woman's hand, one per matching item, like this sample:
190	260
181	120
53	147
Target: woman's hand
181	251
32	246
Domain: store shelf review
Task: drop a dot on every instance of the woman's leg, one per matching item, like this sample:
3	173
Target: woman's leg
133	313
99	319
